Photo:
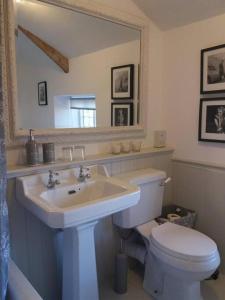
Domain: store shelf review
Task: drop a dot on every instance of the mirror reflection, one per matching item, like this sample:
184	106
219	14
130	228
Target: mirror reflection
74	70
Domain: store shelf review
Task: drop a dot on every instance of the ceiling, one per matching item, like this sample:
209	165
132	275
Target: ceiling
168	14
72	33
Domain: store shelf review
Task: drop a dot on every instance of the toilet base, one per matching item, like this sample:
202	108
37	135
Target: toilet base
164	286
177	290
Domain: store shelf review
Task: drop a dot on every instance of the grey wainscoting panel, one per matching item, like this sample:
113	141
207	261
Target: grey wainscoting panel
34	247
202	188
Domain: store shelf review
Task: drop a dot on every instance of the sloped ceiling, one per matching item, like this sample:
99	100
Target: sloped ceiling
168	14
71	33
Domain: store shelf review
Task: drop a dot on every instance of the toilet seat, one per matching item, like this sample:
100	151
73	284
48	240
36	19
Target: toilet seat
179	241
180	247
183	248
183	242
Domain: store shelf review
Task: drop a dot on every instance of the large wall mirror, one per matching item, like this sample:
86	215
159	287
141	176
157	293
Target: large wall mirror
74	69
79	97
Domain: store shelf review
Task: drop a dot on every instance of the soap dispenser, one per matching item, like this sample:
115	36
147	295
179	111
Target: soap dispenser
32	150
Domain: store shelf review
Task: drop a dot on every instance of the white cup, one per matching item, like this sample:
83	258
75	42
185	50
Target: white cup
125	147
67	153
136	146
116	148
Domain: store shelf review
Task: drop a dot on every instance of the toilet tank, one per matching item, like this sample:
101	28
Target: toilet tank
150	182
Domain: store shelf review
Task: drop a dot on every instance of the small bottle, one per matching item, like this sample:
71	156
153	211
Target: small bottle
32	150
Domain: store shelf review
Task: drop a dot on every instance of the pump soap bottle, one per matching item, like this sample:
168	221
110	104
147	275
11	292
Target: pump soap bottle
32	150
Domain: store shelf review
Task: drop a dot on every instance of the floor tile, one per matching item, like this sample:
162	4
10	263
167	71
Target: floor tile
211	289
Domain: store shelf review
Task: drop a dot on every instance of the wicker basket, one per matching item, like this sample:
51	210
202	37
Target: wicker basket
187	216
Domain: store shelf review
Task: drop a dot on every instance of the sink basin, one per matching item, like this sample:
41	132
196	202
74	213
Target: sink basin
76	208
72	203
80	195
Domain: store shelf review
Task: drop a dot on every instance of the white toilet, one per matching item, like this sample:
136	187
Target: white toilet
178	258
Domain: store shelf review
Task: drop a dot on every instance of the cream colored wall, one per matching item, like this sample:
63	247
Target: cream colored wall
181	80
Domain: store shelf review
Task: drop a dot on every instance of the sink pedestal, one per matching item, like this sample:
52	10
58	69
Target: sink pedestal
79	263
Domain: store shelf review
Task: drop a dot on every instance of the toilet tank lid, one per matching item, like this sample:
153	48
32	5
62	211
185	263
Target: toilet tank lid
142	176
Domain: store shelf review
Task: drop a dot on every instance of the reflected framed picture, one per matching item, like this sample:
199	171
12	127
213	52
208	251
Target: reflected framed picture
212	120
121	114
42	93
213	70
122	82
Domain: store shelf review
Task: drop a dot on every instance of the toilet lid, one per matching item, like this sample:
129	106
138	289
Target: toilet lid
183	242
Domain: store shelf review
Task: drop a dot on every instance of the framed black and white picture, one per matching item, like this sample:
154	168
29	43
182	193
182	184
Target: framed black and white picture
122	82
121	114
42	93
212	120
213	70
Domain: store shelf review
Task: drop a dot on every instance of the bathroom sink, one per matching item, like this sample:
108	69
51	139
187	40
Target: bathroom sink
75	207
71	203
81	194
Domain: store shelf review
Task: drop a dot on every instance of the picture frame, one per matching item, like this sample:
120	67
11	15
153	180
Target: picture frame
42	93
122	82
121	114
213	70
212	120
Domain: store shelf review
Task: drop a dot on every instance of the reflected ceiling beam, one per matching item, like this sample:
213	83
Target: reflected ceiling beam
52	53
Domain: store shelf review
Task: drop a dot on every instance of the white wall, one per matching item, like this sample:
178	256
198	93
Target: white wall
181	80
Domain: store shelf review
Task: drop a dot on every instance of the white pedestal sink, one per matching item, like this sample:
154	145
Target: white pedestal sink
76	208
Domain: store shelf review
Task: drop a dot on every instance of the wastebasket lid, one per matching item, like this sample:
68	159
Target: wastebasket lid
183	242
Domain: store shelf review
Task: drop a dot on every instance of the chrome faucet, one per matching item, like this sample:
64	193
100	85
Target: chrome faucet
51	181
82	176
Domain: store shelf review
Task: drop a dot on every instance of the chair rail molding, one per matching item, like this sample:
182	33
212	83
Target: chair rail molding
15	136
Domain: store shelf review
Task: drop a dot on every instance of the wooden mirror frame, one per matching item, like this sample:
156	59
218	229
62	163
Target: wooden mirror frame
15	136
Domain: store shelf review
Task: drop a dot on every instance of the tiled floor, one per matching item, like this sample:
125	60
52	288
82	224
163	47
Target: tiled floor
211	289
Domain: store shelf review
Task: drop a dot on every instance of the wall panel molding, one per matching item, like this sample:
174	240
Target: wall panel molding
199	163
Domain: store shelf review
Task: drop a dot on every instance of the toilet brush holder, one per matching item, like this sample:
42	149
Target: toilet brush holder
121	272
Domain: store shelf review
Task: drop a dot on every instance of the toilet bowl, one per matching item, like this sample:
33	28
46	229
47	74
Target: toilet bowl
178	258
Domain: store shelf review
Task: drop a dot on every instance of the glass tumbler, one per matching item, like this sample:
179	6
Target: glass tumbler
67	153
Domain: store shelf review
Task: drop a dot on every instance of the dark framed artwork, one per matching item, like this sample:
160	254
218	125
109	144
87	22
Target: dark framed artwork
121	114
212	120
42	93
122	82
213	70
